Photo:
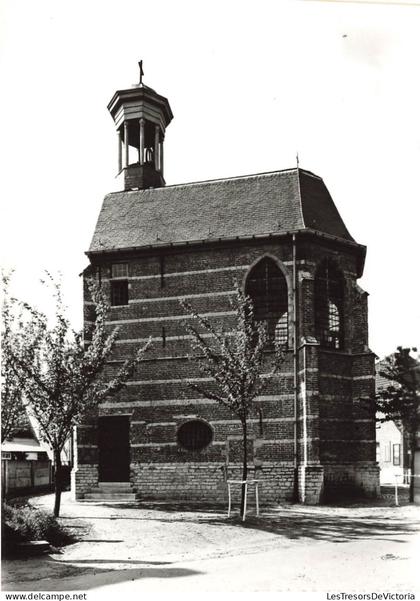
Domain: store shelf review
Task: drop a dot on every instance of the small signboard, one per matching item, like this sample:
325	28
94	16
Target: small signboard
31	456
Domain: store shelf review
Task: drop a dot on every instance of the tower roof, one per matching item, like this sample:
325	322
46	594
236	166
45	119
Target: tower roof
141	116
256	205
137	101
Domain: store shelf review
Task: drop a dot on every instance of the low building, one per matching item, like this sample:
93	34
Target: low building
26	467
391	454
393	451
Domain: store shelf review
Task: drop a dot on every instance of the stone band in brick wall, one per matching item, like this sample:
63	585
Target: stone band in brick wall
332	428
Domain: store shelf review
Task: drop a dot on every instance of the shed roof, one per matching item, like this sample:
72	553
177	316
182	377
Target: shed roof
253	205
26	445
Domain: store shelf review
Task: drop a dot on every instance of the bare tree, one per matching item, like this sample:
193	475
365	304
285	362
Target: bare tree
235	361
64	376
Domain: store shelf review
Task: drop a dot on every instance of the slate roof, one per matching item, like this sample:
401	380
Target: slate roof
254	205
382	382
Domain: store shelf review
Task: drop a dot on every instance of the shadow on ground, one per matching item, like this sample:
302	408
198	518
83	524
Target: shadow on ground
337	529
65	574
179	506
117	561
288	523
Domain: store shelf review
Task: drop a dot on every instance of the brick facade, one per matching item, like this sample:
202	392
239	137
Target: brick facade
335	436
309	436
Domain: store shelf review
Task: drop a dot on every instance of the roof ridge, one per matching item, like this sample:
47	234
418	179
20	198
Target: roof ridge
300	197
221	179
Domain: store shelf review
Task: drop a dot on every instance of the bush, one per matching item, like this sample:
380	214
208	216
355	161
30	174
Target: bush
26	523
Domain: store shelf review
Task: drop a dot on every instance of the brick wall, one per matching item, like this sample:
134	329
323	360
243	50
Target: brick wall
83	479
311	484
332	425
348	480
207	482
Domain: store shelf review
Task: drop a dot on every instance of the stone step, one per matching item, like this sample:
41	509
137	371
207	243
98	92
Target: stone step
114	484
112	489
110	496
122	487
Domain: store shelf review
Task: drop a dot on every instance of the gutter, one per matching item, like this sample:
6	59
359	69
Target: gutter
202	241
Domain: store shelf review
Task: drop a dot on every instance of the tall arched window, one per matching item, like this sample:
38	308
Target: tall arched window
267	287
329	296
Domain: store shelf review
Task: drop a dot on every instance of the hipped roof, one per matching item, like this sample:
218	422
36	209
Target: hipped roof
256	205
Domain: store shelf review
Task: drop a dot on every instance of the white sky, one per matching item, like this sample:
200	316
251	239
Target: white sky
250	83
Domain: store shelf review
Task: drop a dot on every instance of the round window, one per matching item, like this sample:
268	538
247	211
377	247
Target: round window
194	435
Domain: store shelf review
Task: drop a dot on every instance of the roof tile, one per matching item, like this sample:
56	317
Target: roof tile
271	203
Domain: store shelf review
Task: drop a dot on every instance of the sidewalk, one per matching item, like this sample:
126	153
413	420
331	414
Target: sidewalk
159	548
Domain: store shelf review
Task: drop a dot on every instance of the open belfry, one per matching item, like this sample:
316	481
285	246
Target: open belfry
278	236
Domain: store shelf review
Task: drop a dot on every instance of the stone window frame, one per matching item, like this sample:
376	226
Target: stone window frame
119	288
288	293
119	293
193	420
329	303
119	270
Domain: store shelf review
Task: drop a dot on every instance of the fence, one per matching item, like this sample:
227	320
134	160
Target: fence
22	476
402	479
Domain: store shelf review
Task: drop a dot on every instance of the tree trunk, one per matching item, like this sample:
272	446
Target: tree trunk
4	470
58	482
244	465
412	461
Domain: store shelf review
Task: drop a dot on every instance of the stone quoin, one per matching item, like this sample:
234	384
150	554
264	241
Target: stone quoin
280	237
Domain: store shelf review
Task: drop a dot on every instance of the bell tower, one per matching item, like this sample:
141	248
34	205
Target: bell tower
141	117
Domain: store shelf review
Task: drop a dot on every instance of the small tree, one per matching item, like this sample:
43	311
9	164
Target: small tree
399	401
234	360
64	376
14	341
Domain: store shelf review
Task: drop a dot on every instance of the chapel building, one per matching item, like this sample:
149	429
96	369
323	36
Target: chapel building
280	237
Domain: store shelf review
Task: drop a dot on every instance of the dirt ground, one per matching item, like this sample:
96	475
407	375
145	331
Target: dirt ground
158	548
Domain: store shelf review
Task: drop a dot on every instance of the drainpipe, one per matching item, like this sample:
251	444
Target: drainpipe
304	428
295	366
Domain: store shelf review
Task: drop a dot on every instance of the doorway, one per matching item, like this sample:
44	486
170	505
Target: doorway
114	448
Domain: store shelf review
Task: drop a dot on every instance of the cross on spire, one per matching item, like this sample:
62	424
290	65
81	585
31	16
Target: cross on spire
141	72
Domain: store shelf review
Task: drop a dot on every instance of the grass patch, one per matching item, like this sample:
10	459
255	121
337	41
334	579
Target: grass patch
20	524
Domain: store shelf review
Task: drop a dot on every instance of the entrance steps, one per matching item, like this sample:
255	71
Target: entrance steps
112	491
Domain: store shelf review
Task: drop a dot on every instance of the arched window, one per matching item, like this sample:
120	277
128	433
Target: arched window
329	295
267	288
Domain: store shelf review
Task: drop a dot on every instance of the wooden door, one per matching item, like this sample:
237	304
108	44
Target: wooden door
114	449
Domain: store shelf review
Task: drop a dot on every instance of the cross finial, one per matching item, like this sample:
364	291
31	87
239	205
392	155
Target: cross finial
297	160
141	72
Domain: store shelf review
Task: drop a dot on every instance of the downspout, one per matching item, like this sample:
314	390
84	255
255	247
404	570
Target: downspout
304	428
295	367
